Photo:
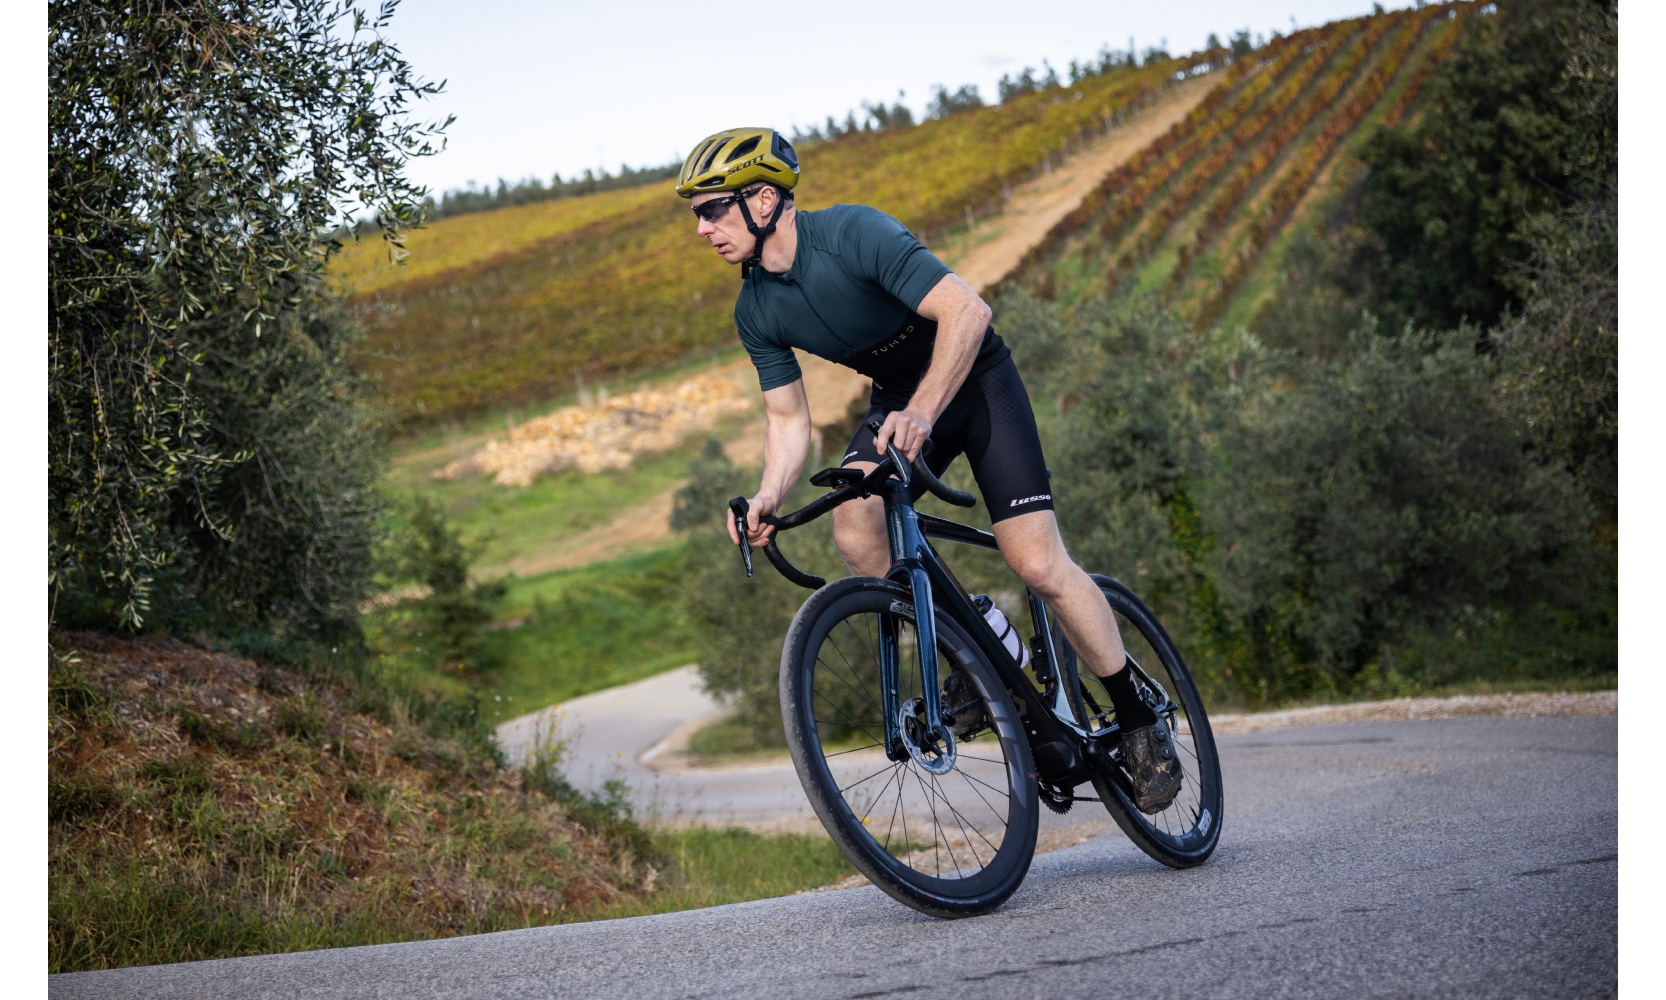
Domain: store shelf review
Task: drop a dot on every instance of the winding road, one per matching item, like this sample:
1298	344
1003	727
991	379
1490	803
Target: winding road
1471	857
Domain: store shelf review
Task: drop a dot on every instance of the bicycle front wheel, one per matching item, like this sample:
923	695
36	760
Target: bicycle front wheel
947	827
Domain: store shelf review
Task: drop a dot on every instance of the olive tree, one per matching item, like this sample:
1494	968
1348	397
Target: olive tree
209	447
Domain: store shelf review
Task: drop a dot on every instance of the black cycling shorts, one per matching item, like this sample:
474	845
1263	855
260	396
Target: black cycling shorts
991	423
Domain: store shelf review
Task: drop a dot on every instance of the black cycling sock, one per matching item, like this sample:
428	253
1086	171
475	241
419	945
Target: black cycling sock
1131	711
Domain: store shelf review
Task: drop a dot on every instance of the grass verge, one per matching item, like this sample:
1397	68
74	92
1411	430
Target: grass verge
708	867
203	805
585	630
557	636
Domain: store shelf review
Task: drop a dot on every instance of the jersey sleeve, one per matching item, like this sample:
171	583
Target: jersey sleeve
888	254
776	364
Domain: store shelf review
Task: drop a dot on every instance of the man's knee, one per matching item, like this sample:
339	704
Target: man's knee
859	523
1044	569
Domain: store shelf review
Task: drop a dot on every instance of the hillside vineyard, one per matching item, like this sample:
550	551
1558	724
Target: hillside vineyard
1201	214
509	306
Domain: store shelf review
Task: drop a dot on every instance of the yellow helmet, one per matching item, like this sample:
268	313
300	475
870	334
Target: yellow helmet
736	157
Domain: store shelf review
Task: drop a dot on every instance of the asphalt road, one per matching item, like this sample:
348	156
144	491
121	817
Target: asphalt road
618	733
1472	857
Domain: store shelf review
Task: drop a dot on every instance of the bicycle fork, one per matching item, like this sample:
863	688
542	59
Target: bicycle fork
906	542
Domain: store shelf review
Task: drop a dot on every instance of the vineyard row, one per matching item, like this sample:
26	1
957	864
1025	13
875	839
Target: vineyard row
1225	202
1305	168
1203	115
1277	108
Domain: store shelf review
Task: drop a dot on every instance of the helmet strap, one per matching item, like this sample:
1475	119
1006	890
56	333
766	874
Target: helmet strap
760	233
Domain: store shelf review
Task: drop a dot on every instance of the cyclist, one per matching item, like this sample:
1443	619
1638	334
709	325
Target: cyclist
850	284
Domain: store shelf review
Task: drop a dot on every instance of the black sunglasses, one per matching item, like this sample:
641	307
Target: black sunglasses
717	208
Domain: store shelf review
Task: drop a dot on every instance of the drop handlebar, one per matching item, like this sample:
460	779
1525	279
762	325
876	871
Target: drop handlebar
847	485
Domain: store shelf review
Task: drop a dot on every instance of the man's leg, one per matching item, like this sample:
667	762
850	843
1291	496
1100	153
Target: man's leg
1032	547
1034	550
859	531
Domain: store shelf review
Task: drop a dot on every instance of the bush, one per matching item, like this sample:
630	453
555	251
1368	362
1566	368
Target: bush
1355	502
446	623
208	448
1303	522
740	623
1451	194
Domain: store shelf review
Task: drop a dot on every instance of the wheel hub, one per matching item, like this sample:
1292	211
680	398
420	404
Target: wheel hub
931	746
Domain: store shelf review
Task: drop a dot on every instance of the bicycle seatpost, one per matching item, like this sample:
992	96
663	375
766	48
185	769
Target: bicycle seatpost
739	506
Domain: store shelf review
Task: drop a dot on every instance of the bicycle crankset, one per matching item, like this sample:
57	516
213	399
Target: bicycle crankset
1059	799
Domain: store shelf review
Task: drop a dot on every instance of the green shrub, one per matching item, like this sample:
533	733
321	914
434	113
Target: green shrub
1306	523
739	623
446	624
209	451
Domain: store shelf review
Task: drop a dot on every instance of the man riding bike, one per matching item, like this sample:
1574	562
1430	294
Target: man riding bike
850	284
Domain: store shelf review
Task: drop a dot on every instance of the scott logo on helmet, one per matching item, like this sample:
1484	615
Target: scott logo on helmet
756	160
1043	496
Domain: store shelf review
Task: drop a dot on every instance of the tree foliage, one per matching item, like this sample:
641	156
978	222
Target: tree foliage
739	622
207	443
1299	519
1449	196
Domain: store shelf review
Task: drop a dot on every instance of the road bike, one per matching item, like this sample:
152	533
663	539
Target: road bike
927	746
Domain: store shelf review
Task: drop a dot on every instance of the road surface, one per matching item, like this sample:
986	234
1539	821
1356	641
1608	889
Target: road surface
1460	857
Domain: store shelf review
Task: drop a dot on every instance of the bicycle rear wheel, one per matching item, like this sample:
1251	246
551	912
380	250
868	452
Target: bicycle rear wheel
1184	833
949	829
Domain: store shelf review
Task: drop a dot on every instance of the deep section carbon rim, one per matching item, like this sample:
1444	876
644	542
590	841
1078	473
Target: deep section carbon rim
954	833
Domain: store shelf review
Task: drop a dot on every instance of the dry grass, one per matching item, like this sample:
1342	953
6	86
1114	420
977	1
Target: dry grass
204	805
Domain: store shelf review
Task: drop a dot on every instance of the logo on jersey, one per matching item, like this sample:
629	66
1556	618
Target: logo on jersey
894	342
1044	496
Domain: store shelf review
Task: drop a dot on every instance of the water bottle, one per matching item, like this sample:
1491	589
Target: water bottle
1003	629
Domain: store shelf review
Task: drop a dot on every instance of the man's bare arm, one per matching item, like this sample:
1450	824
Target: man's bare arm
786	447
961	317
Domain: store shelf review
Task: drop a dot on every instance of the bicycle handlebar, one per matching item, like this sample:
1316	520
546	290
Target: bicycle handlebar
894	464
923	471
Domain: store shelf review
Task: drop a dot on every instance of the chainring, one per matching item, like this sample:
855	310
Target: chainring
1055	798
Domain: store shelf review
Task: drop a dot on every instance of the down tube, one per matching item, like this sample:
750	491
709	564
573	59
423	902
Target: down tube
1038	722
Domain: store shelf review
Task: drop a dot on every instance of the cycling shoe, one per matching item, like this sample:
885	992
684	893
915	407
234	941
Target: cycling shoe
1153	766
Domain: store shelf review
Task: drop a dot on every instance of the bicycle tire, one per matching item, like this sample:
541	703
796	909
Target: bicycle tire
834	615
1185	833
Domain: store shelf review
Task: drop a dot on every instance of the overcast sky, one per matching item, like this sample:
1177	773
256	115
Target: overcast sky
540	87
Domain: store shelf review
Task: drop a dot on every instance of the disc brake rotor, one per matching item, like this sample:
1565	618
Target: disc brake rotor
935	752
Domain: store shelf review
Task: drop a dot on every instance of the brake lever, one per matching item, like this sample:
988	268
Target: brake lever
739	507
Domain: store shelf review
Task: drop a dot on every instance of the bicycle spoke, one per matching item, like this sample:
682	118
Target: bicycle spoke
869	777
962	820
969	784
873	651
841	680
841	753
936	825
998	791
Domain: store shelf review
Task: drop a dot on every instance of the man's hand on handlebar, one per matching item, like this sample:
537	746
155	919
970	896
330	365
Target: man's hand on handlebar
906	429
759	506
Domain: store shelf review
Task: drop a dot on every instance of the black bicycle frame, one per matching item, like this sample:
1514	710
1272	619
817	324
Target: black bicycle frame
915	564
1055	717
